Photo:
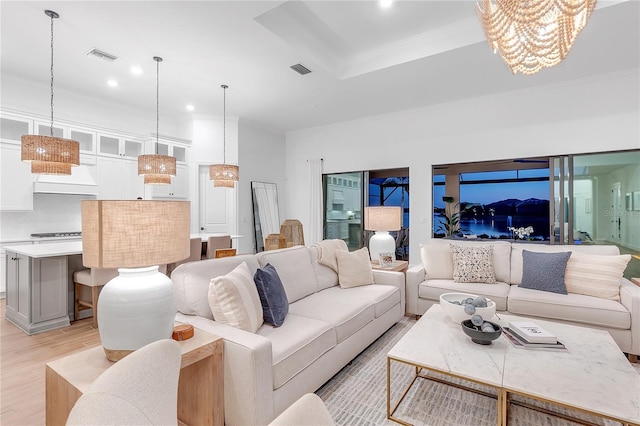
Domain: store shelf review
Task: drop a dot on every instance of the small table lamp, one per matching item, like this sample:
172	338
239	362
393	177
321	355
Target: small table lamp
382	220
136	307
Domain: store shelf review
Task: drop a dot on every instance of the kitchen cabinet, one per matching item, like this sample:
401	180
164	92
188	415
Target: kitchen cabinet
173	147
37	292
178	188
118	179
16	180
86	138
112	145
13	126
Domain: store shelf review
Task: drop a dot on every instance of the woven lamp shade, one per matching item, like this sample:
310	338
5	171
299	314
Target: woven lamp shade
224	175
134	233
50	155
157	179
382	218
163	166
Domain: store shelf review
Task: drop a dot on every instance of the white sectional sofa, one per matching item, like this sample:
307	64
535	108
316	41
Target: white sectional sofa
326	327
621	318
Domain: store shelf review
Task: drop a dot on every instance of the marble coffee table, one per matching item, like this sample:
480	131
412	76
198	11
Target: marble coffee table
591	376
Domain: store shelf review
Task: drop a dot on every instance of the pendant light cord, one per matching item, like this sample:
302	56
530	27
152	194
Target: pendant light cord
224	123
158	60
52	15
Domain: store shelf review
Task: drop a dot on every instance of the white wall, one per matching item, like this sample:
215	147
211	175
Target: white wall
599	114
261	154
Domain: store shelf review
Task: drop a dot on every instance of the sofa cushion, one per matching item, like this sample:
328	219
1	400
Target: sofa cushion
432	289
578	308
437	258
516	254
354	268
472	264
325	276
296	345
234	300
544	271
345	310
596	275
273	298
294	268
191	282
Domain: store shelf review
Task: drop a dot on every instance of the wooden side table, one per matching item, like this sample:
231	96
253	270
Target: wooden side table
399	266
636	281
200	387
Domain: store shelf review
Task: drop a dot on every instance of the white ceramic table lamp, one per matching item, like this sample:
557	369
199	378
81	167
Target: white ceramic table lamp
382	220
136	307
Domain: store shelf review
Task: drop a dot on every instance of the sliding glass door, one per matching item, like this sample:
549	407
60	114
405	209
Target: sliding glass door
344	194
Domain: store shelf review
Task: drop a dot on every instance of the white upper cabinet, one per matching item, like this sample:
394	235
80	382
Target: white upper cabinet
172	147
179	187
85	137
16	180
119	146
12	127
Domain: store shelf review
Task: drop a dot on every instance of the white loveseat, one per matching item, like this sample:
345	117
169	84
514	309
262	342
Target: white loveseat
326	327
621	318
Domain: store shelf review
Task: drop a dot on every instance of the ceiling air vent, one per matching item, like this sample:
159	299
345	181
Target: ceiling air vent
300	69
100	55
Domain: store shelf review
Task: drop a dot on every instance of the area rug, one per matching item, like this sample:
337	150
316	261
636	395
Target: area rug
357	395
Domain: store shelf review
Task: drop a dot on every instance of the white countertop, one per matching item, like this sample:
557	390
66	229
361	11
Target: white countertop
64	248
37	240
206	235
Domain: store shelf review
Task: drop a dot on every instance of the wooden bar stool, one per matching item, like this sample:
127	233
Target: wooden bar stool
95	279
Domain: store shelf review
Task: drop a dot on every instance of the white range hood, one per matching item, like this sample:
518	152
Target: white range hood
79	182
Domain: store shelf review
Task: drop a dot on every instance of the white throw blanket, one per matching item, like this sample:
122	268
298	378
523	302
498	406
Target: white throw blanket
327	252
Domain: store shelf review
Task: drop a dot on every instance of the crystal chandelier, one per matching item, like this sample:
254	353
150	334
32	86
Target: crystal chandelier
48	154
224	175
535	34
157	169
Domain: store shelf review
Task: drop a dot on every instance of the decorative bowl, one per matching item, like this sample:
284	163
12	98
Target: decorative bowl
481	337
457	313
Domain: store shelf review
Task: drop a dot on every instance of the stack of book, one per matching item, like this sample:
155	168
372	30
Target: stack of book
530	335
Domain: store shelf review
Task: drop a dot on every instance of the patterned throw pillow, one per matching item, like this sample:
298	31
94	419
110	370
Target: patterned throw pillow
473	264
234	299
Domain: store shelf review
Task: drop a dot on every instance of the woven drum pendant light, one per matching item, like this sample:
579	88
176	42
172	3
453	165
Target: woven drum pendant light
157	169
224	175
48	154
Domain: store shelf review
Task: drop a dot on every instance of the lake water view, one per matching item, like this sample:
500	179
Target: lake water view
497	226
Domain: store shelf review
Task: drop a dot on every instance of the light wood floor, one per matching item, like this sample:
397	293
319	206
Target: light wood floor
22	361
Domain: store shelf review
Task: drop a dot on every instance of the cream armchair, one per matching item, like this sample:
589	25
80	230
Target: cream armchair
140	389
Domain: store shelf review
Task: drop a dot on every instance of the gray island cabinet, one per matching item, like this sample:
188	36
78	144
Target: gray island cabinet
38	284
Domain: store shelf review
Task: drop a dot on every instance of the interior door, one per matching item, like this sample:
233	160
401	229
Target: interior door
217	206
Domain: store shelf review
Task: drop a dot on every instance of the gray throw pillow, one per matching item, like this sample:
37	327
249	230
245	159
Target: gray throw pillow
544	271
273	298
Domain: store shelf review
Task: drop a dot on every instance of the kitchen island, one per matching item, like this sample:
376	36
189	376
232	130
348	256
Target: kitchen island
40	285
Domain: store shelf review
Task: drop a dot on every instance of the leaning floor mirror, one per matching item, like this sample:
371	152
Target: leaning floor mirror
266	219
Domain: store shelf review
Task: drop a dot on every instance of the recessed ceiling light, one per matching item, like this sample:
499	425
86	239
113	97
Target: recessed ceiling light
385	4
190	107
112	83
135	70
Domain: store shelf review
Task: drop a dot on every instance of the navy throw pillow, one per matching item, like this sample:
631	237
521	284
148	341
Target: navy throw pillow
273	298
544	271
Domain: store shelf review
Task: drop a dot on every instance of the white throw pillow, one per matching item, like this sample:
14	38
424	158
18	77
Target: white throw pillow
234	299
354	268
595	275
473	264
437	260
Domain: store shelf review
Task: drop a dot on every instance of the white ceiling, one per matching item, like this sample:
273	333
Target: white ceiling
365	60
